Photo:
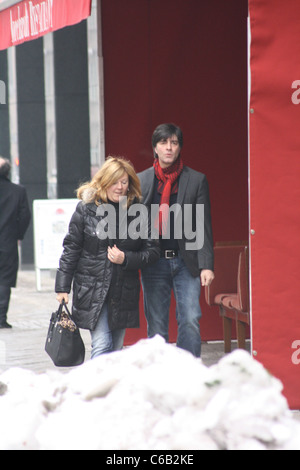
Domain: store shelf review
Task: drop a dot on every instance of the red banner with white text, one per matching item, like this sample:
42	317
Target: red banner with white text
28	20
275	189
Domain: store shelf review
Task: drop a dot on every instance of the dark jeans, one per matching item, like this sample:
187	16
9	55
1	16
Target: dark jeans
158	281
4	303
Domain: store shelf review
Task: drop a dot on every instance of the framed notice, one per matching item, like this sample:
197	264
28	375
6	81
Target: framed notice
51	220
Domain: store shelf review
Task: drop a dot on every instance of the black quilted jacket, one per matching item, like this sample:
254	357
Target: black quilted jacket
95	279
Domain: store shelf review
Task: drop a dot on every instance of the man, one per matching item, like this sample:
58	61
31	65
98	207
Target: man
183	265
14	220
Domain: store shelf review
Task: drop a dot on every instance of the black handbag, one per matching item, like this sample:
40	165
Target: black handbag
64	344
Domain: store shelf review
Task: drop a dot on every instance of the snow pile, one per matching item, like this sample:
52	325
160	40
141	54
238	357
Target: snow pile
151	396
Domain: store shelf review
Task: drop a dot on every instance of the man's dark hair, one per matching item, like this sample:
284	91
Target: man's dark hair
5	167
164	131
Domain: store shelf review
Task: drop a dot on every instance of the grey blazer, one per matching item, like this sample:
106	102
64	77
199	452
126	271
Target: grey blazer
193	190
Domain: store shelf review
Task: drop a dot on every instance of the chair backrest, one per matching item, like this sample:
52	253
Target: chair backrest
243	280
226	271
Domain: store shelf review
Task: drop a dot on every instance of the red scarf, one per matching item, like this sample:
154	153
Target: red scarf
167	185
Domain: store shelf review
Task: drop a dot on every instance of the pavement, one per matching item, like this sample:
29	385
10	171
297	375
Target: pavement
29	314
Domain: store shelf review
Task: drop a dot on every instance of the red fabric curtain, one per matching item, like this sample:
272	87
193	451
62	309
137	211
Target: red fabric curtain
184	62
30	20
275	189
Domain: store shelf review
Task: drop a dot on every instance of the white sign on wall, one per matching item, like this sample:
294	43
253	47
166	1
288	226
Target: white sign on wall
51	220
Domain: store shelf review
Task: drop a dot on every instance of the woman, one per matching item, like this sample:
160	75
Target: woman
103	265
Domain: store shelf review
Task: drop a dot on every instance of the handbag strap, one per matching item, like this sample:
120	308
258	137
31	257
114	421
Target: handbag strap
64	305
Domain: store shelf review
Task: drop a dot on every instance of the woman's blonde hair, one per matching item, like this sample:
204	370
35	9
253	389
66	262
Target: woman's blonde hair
112	170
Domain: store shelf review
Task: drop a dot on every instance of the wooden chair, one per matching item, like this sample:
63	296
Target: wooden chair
230	290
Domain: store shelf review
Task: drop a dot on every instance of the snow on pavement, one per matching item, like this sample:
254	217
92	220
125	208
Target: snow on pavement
151	396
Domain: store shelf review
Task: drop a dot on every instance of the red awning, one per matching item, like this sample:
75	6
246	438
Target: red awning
28	20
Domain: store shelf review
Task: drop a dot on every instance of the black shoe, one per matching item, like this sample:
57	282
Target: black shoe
5	326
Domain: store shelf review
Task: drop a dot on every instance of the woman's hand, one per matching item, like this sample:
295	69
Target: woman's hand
63	296
115	255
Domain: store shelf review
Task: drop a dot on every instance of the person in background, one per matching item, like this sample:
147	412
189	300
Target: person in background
182	267
15	218
103	265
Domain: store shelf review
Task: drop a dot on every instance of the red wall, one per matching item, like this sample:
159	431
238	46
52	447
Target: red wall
182	61
275	190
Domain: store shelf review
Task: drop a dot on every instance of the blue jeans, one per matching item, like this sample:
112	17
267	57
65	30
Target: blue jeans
158	280
103	339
